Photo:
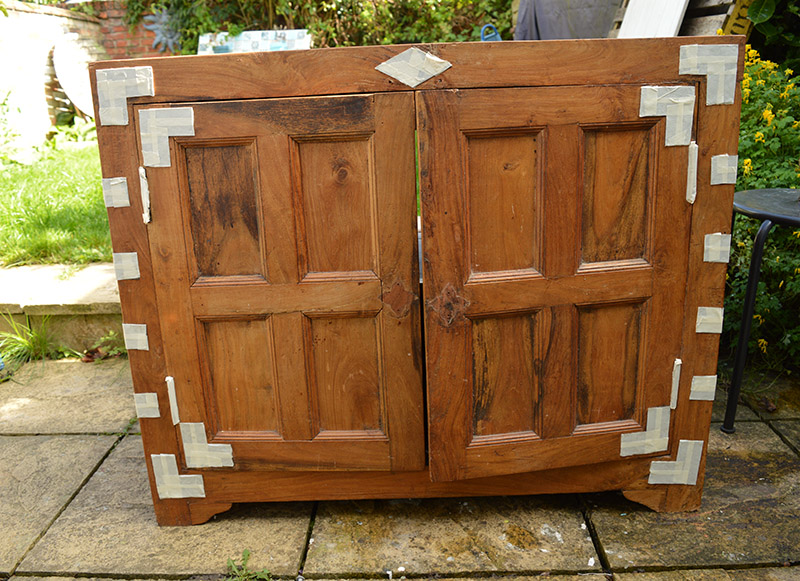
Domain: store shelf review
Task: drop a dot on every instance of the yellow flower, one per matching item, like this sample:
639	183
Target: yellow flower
760	82
780	285
762	344
796	234
796	125
747	166
719	32
759	137
768	115
789	72
758	318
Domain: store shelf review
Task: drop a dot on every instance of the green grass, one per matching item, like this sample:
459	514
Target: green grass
52	212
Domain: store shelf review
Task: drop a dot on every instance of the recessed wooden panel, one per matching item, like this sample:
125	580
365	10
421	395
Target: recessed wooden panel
615	191
338	206
346	374
223	209
240	360
502	197
505	390
608	362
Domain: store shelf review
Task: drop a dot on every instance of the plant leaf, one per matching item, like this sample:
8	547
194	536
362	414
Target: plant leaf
761	10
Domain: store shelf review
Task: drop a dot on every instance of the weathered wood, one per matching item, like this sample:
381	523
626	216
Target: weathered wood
563	270
608	292
308	316
352	69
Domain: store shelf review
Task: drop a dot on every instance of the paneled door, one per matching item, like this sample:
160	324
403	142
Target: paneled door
283	238
555	231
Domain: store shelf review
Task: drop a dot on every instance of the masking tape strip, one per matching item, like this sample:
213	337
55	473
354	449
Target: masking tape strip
723	169
676	104
173	400
144	189
718	62
654	439
703	387
683	470
156	126
676	381
146	405
135	336
126	265
413	67
199	453
709	320
717	248
170	484
115	193
115	86
691	173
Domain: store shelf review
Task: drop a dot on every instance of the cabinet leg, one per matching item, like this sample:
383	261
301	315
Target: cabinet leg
665	500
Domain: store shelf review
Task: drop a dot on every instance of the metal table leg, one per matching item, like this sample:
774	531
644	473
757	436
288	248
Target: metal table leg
744	332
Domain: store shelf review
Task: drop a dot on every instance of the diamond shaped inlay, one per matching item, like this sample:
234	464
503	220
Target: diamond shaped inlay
413	67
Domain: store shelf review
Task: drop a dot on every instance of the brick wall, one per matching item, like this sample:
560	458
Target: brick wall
117	38
119	41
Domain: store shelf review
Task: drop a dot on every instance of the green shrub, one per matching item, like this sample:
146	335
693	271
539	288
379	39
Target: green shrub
334	22
769	157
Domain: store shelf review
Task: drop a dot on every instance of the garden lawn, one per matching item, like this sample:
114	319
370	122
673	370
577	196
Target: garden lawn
52	212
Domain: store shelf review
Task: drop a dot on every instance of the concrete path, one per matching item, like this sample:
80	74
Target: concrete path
81	302
75	503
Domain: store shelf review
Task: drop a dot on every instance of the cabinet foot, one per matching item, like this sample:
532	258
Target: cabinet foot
665	500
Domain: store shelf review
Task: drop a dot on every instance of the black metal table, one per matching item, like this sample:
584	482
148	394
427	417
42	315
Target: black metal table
772	206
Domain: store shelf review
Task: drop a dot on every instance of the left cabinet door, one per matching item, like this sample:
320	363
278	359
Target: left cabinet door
283	240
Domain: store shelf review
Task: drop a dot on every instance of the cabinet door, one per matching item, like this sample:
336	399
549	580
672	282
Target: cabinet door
283	239
556	233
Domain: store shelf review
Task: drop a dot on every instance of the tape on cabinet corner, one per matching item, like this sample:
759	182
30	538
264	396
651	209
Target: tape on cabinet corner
146	405
116	86
676	381
135	336
683	470
709	320
676	103
703	388
654	439
719	63
115	192
144	188
126	265
173	400
717	248
691	173
156	126
171	484
199	453
723	169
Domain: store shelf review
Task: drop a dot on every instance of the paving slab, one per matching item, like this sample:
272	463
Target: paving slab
749	513
39	475
743	413
759	574
450	536
789	429
110	529
68	396
773	398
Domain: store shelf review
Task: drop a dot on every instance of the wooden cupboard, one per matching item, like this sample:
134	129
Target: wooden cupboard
575	200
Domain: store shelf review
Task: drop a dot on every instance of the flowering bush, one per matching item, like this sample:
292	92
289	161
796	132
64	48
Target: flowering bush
769	157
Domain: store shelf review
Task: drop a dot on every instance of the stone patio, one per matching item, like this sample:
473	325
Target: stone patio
75	503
